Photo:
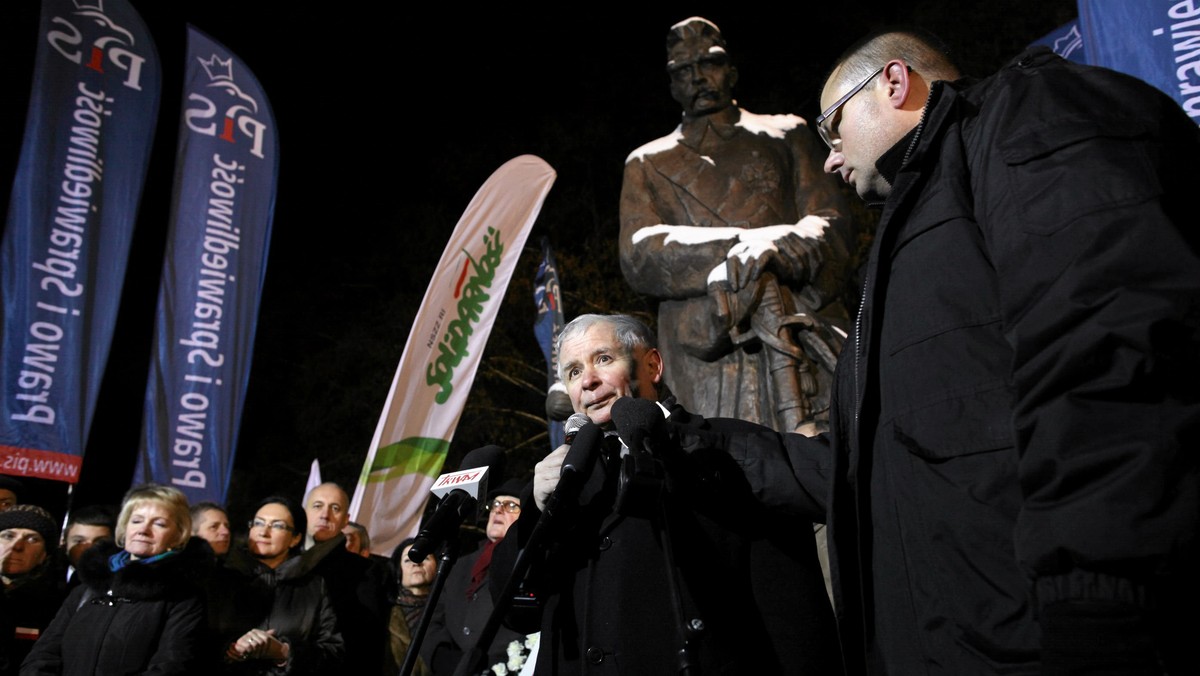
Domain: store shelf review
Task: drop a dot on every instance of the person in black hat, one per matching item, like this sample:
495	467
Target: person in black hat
32	589
466	603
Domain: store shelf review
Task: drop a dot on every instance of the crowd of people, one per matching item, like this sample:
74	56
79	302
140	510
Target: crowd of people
160	586
1005	457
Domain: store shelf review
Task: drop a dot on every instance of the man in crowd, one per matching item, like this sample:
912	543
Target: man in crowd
700	573
85	527
211	523
10	491
466	604
328	510
1018	419
358	540
356	585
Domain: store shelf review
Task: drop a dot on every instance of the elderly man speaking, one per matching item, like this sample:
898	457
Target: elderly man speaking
700	575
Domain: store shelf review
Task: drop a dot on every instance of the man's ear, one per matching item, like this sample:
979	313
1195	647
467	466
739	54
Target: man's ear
733	76
654	363
899	83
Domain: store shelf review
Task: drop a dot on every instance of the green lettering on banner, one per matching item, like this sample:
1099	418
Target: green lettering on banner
454	343
413	455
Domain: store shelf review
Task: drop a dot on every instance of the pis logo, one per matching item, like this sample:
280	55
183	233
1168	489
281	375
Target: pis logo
111	49
239	114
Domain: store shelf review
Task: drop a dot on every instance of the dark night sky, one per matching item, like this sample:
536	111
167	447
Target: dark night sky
387	126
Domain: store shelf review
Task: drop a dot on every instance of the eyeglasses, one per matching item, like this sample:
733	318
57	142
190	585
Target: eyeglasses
828	135
507	505
13	537
273	525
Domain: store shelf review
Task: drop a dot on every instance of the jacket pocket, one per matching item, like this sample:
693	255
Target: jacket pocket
1048	185
963	423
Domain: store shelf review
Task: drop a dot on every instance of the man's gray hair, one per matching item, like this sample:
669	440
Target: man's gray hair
334	484
631	332
922	53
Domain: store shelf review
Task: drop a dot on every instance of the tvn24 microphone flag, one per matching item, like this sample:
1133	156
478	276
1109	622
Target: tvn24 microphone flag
443	350
213	269
74	203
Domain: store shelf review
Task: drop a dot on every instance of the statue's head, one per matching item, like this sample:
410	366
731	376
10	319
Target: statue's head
702	76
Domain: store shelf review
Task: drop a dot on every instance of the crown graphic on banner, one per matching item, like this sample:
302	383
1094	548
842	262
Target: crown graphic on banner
218	69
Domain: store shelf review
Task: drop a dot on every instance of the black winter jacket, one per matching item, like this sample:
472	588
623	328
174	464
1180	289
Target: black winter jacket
291	600
142	619
750	590
1017	418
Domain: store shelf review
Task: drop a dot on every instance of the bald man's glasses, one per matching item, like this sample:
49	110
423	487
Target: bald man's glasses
824	125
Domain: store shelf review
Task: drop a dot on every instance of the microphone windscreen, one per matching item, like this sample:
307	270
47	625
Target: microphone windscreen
635	419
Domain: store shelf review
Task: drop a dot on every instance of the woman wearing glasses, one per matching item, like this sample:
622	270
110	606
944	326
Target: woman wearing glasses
269	613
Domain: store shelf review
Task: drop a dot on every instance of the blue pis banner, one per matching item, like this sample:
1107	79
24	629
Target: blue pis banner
547	297
88	133
1155	40
213	270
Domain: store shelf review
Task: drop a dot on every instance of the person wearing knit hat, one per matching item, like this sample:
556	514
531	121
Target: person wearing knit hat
24	532
32	590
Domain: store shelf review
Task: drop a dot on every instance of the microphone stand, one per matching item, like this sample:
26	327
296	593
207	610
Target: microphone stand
445	562
641	492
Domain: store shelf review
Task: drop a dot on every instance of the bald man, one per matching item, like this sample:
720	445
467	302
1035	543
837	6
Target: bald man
1018	420
355	584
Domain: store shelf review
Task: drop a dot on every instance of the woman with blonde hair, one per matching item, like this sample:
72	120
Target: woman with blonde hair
138	609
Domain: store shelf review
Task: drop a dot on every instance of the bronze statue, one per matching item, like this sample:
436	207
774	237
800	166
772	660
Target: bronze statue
731	222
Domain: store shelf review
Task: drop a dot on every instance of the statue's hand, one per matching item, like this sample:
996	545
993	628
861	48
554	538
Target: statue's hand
797	257
746	262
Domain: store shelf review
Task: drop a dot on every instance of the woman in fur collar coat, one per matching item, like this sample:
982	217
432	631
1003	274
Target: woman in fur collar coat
138	609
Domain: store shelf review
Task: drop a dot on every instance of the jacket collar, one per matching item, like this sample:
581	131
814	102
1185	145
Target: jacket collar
139	580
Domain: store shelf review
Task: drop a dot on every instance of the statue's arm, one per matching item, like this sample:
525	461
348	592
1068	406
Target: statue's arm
662	253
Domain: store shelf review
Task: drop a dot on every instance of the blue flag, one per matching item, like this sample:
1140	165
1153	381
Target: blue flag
1066	41
1157	41
74	202
547	297
216	257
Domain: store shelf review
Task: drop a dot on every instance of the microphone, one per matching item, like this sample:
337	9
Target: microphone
573	424
638	421
577	466
640	424
460	493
